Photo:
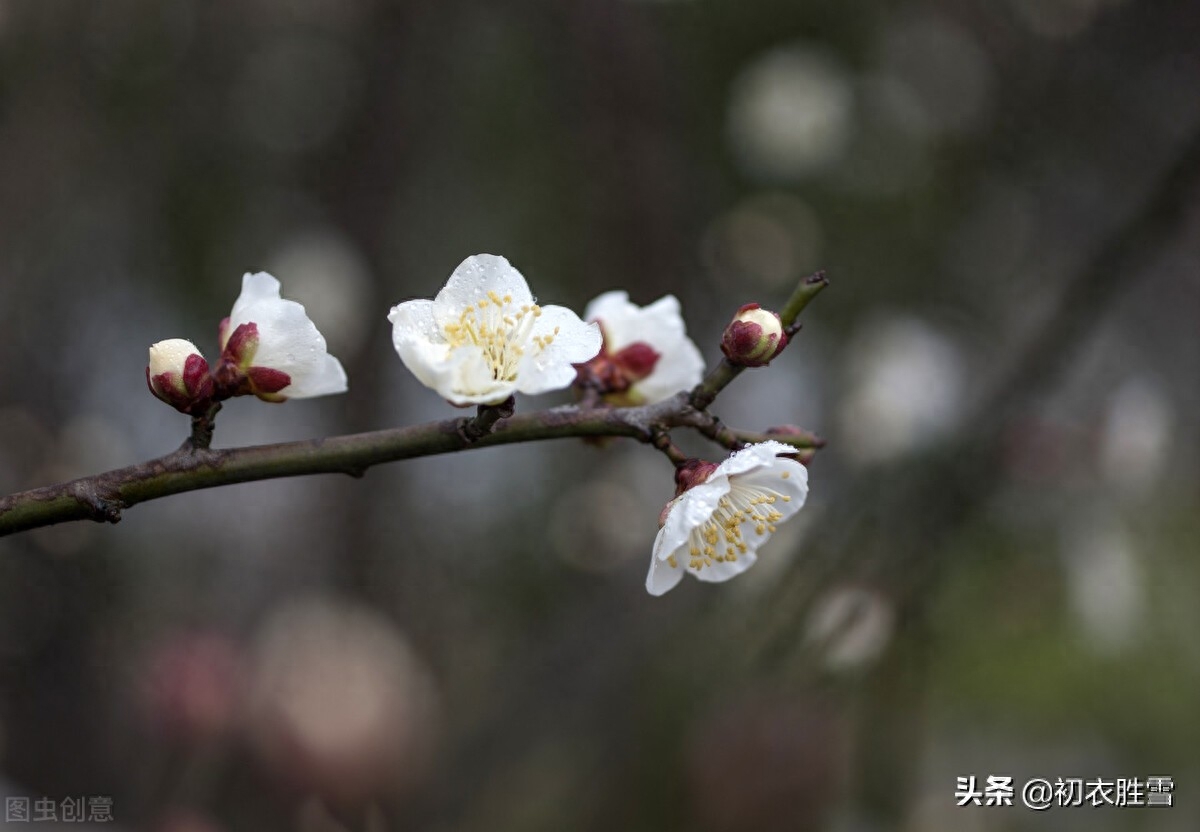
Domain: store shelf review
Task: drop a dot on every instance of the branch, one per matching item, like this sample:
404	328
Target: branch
195	465
102	497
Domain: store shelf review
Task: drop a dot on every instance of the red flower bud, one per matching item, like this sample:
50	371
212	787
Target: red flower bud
178	375
753	337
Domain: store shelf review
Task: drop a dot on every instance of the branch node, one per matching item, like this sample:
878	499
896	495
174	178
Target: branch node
100	507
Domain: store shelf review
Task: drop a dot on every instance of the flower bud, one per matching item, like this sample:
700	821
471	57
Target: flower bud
753	337
178	375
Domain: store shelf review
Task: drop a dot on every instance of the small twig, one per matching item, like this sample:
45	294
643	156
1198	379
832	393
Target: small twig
591	397
202	429
662	441
486	417
802	440
718	432
718	379
808	289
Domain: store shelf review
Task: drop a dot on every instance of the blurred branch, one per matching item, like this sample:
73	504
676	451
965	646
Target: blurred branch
889	529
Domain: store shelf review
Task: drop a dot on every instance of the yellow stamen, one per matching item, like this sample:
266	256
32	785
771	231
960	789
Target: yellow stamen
503	333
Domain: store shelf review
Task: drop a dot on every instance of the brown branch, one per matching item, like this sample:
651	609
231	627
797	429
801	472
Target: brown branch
102	497
195	465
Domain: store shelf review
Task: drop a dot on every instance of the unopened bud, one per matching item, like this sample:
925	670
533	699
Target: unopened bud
178	375
753	337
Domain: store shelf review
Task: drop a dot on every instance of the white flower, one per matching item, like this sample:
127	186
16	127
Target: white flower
483	337
273	342
714	528
672	362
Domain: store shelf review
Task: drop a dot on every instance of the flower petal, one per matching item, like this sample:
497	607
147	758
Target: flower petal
662	577
691	510
755	456
480	274
788	478
418	340
287	339
329	377
724	570
255	287
611	307
551	368
680	368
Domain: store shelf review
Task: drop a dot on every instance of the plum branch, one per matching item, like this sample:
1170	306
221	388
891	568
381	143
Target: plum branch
195	465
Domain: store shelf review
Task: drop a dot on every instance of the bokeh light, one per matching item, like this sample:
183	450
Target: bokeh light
791	113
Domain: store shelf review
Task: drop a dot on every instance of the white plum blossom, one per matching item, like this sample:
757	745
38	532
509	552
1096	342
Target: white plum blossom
714	528
274	344
647	355
484	338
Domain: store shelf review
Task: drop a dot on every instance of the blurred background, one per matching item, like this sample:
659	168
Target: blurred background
996	573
